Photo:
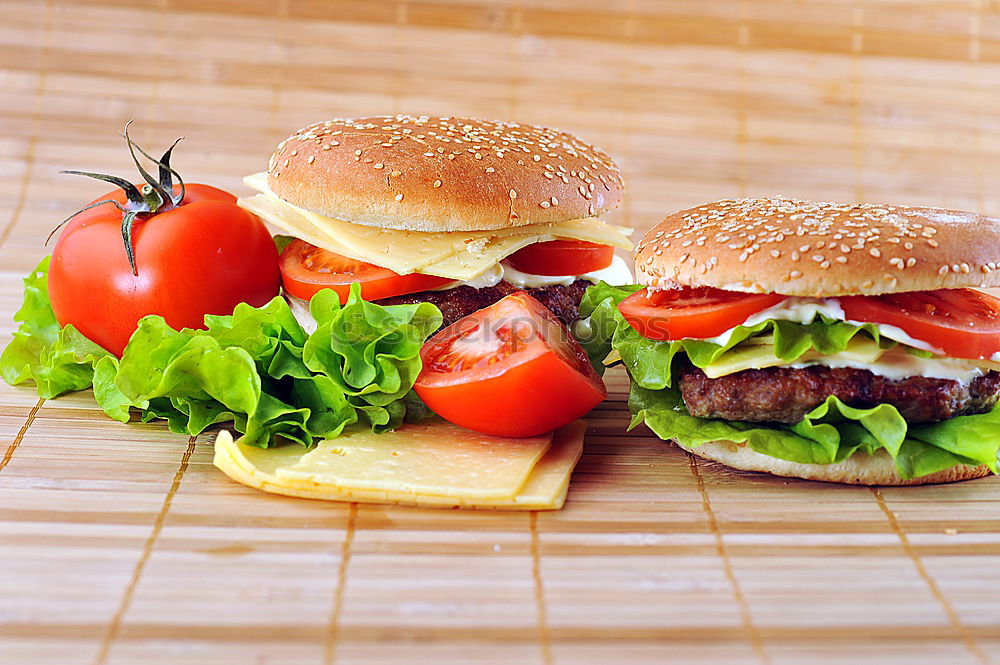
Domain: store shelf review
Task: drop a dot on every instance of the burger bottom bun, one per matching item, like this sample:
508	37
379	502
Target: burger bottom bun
859	469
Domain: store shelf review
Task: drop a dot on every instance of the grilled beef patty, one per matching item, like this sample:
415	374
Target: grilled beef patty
564	301
785	395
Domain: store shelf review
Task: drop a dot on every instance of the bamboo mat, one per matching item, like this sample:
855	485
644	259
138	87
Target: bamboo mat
122	544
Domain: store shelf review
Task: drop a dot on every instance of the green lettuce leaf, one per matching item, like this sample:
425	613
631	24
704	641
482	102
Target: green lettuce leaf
256	367
832	432
282	241
651	363
58	360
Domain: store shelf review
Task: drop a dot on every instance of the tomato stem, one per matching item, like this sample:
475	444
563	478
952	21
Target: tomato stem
155	196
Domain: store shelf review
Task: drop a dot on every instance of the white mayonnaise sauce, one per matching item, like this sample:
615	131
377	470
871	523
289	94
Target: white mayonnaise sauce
896	364
616	274
300	310
804	310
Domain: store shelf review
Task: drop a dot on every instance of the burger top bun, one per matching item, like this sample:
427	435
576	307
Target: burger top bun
806	248
425	173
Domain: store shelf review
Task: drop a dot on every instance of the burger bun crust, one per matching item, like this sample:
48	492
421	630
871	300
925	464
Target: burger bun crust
859	469
438	174
804	248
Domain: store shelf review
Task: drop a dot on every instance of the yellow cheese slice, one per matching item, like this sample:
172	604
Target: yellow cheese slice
459	255
756	356
549	481
427	464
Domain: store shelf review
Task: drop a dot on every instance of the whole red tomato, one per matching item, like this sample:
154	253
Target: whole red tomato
204	256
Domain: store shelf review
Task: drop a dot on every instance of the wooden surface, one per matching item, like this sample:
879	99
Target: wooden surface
122	544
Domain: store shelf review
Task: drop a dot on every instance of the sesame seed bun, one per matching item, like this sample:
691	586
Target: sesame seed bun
443	174
859	469
804	248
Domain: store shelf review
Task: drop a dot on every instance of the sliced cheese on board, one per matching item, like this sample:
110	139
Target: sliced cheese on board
549	481
459	255
415	465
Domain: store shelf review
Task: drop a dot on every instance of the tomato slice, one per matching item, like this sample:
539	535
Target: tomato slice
562	257
963	323
691	312
306	269
511	369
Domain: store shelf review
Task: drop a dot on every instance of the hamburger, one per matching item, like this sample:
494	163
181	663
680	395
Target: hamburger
457	212
826	341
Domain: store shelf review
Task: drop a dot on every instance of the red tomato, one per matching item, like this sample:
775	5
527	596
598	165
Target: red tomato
963	323
511	369
306	269
203	257
692	312
562	257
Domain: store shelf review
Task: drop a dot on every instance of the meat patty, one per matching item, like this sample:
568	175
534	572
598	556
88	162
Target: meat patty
785	395
564	301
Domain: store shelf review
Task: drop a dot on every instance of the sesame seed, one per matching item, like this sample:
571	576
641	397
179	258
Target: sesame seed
437	183
379	165
399	197
311	159
395	174
545	204
555	201
513	194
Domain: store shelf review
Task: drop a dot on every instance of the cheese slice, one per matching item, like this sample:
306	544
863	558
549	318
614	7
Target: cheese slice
433	463
459	255
755	355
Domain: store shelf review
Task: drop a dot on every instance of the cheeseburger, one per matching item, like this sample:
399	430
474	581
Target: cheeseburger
458	212
828	341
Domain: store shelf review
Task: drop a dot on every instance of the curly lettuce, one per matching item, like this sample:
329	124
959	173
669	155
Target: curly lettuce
256	367
831	432
652	362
